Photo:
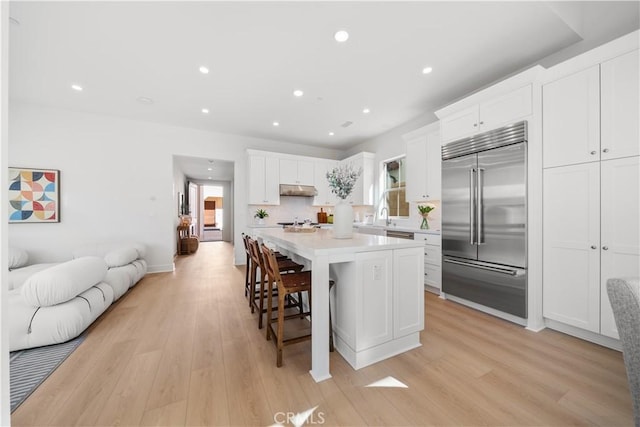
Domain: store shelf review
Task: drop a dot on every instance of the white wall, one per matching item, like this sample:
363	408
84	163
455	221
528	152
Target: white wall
117	178
5	414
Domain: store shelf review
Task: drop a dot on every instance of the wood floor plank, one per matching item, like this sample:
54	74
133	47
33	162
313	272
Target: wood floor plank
183	348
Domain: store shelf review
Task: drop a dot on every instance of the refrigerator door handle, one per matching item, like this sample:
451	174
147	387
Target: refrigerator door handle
507	271
479	208
472	206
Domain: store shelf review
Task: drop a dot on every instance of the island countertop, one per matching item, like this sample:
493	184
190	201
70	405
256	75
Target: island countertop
322	242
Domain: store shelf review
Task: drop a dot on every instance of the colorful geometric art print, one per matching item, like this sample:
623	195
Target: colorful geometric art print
34	195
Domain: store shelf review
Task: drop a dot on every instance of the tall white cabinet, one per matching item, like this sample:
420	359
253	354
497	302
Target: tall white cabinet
424	159
591	201
263	179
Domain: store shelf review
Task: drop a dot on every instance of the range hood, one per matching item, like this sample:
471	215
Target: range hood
298	190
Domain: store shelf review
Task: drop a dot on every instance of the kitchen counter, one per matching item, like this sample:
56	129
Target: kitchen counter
398	228
380	278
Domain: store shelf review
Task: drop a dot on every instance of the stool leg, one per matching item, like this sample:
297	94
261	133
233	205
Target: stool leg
331	347
246	278
261	303
280	329
252	291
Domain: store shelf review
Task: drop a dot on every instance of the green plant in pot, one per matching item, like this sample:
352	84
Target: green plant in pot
260	215
424	212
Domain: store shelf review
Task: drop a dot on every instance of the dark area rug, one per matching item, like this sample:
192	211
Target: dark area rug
29	368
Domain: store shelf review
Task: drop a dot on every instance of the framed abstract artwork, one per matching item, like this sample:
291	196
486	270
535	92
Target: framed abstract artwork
34	195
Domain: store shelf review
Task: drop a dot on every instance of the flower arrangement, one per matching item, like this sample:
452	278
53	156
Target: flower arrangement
342	179
424	212
261	213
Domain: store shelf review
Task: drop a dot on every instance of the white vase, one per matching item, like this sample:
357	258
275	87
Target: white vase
259	221
343	220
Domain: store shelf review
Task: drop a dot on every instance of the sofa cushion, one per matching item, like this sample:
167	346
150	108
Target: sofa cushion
17	258
120	257
63	282
18	276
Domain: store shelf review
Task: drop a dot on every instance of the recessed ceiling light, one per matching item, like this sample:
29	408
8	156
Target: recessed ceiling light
298	93
209	169
77	88
427	70
205	111
144	100
341	36
204	70
14	20
209	178
276	124
331	133
366	111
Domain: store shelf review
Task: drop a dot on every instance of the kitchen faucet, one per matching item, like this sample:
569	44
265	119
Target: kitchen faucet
386	219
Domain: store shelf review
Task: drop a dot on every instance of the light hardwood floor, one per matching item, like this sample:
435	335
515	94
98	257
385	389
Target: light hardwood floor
183	349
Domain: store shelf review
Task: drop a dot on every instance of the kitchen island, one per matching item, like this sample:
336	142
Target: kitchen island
379	301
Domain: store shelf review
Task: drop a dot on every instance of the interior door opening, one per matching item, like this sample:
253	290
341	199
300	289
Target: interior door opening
213	208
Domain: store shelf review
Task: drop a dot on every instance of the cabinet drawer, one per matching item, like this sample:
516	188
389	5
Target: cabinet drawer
428	239
432	254
432	275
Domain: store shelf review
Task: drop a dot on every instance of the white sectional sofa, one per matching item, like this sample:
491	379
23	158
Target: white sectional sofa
53	303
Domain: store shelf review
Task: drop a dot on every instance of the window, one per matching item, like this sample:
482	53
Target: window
394	190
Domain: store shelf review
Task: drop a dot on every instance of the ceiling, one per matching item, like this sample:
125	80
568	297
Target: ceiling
202	170
258	53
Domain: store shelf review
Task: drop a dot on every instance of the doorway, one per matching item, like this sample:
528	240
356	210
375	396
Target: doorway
213	212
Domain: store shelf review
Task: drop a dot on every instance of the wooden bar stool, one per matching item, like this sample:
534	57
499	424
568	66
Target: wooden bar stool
248	279
285	265
291	283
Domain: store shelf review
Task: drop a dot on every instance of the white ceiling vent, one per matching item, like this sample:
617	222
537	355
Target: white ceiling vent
346	124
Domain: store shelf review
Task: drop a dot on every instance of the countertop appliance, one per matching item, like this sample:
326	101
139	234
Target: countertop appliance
484	219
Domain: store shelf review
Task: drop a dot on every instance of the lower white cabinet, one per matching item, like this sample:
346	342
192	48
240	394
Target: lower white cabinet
591	234
378	306
432	261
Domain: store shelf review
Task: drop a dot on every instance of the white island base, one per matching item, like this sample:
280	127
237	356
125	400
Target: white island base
378	305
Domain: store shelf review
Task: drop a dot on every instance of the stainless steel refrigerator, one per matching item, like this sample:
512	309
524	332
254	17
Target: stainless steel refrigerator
484	219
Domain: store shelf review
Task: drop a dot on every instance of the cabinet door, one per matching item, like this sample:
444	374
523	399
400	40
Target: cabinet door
571	119
325	197
256	166
505	109
620	229
374	324
416	181
460	124
357	195
434	167
571	249
620	107
408	291
272	181
288	171
305	172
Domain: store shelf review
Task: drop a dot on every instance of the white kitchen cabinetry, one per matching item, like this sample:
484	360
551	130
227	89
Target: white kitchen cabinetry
324	197
591	234
620	103
571	117
263	180
432	261
488	115
378	305
619	230
593	114
293	171
362	193
408	311
424	161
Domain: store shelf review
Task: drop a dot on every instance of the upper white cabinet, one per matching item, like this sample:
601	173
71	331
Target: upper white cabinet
593	114
619	97
362	193
263	180
423	164
294	171
487	115
324	197
571	119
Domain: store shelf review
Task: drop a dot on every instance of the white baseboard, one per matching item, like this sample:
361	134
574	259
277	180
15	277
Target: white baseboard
584	335
163	268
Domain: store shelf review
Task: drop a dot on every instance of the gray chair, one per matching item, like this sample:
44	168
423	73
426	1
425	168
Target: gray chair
624	295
